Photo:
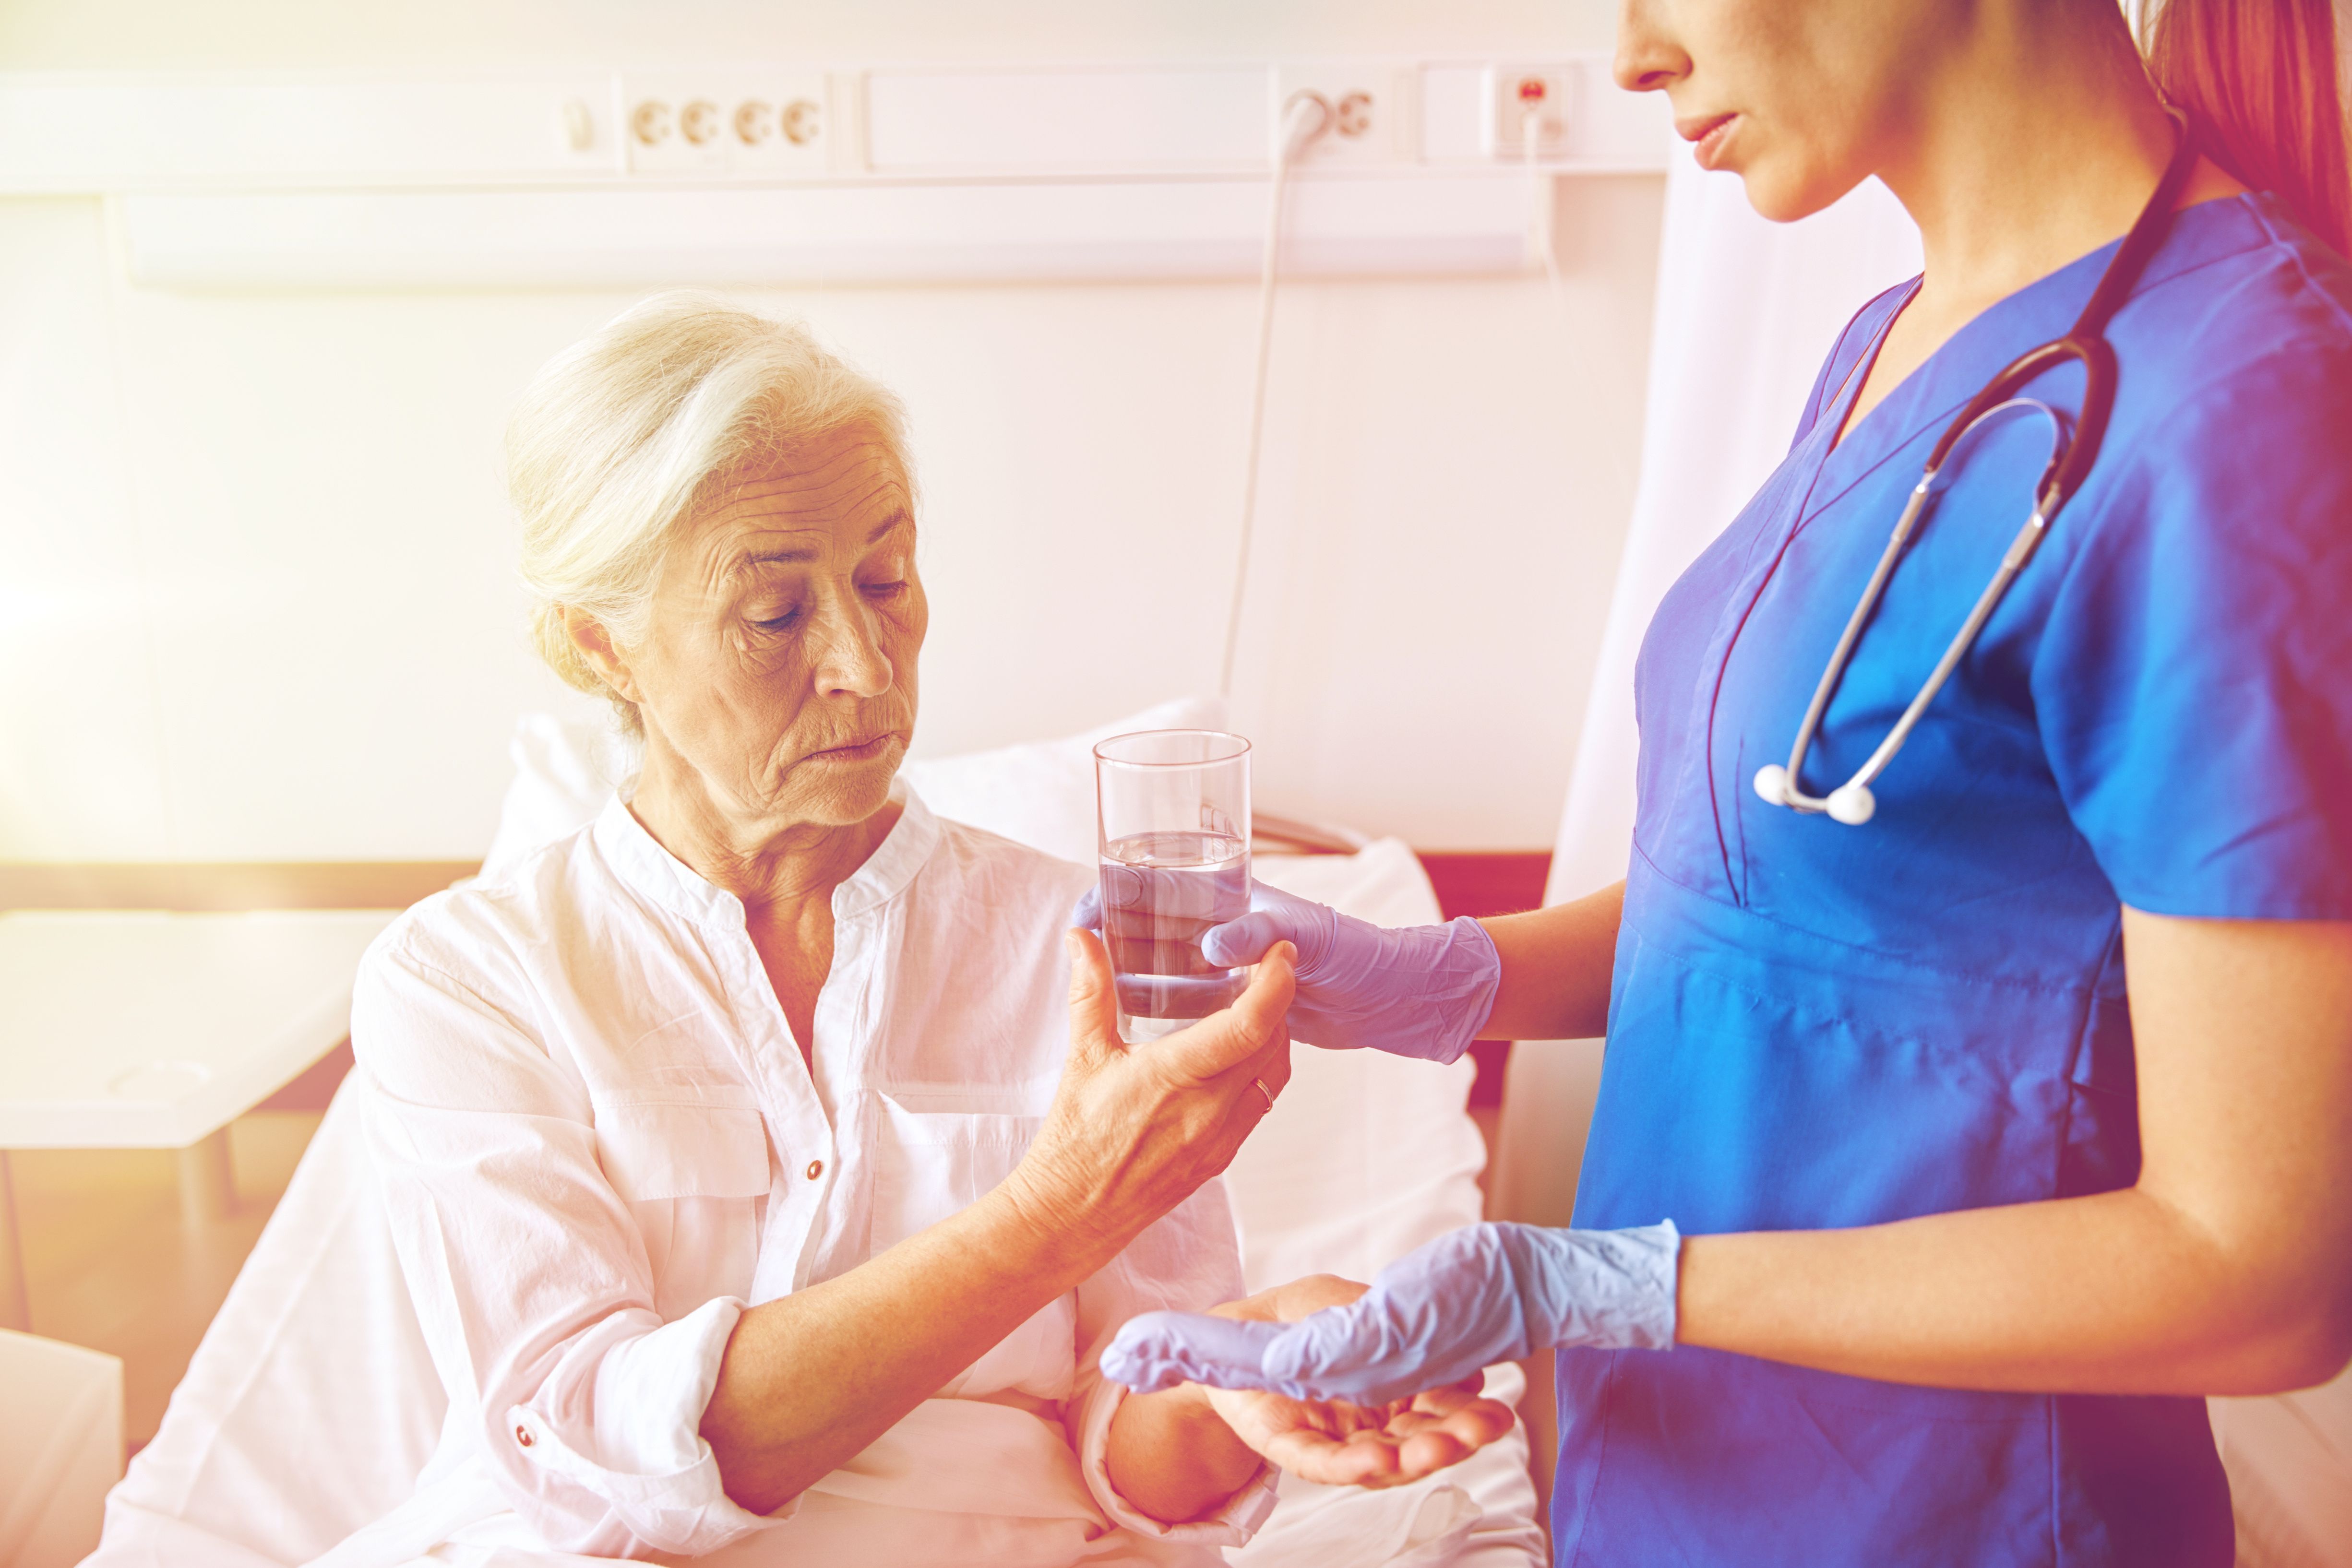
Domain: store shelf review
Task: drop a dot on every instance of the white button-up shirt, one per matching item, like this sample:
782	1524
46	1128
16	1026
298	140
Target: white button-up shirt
598	1141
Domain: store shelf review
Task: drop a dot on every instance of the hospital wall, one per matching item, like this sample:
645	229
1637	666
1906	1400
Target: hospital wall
256	590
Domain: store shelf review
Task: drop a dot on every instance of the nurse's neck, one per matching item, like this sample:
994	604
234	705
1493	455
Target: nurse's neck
2032	144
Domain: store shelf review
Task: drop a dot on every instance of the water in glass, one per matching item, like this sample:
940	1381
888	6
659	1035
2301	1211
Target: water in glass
1160	891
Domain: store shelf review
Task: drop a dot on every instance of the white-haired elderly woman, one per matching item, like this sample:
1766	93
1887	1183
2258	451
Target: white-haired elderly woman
757	1193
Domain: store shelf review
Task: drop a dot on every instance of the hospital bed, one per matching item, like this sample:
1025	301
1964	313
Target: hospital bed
313	1402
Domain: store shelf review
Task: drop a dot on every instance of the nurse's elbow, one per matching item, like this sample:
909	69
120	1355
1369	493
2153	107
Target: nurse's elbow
2286	1362
2304	1341
2319	1352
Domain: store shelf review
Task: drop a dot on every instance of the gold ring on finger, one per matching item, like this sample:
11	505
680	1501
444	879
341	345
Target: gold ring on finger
1260	1084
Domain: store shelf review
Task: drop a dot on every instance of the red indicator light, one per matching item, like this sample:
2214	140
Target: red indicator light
1531	90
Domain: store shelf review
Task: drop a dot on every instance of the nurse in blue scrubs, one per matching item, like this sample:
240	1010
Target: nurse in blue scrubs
1944	1161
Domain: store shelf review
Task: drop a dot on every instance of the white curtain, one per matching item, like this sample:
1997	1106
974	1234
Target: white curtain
1746	311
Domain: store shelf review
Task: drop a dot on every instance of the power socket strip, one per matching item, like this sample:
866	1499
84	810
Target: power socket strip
731	122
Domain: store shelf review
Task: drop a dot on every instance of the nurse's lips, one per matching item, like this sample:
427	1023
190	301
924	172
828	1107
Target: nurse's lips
1709	131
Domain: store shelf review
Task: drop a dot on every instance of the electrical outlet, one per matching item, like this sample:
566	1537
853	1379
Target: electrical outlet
1363	102
780	125
1524	99
734	122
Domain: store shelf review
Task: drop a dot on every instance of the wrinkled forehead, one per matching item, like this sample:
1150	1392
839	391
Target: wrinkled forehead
828	496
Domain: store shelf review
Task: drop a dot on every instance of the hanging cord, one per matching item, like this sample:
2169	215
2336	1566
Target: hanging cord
1305	118
1539	212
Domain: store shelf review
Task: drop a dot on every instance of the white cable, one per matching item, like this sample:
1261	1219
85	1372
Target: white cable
1539	212
1307	117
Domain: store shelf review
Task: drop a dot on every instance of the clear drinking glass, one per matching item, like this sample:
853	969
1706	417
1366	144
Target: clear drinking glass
1172	814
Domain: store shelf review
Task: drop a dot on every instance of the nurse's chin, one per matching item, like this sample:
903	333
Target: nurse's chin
1782	194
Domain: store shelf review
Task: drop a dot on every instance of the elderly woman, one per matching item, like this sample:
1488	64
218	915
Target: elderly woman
754	1196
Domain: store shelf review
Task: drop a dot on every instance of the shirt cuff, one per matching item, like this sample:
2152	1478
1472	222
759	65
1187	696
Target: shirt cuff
644	1455
1231	1525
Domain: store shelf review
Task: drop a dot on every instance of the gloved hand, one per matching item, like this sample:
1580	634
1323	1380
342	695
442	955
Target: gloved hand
1416	990
1482	1294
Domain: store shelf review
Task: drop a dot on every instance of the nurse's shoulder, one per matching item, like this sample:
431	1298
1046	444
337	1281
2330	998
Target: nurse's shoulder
2188	677
2251	303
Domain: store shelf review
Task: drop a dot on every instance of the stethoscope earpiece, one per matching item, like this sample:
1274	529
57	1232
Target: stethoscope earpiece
1772	783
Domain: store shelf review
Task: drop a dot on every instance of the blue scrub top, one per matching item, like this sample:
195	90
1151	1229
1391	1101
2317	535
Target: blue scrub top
1815	1025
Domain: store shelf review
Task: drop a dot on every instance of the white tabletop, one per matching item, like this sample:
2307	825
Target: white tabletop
146	1030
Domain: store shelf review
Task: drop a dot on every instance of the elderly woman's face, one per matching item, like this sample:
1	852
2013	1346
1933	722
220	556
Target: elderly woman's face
779	661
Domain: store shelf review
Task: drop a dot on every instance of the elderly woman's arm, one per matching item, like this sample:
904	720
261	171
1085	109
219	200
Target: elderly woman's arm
813	1378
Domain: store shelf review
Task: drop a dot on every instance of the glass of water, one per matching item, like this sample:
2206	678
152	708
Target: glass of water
1172	812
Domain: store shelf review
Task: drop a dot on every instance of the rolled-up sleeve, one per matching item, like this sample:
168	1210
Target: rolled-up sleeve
1189	1262
529	1278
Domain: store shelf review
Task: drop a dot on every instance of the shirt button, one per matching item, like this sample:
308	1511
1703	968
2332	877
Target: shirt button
816	1169
522	1436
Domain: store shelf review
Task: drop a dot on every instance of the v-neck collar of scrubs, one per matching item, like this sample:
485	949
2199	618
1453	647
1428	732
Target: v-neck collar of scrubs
1933	395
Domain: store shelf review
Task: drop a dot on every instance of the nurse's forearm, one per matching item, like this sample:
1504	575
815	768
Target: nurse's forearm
2111	1294
1556	968
809	1379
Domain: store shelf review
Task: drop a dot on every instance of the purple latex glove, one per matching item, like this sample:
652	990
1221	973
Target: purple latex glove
1423	991
1474	1297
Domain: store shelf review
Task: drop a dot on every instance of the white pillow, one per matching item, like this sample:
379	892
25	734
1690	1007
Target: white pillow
1366	1155
565	769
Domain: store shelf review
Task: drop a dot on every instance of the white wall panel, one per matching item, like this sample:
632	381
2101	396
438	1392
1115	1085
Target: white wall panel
1473	223
335	569
63	135
257	594
935	121
81	758
439	34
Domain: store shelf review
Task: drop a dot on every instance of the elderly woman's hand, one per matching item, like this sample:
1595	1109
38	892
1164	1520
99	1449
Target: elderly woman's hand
1134	1130
1338	1444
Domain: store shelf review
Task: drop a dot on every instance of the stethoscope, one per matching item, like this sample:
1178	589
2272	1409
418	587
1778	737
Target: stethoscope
2071	456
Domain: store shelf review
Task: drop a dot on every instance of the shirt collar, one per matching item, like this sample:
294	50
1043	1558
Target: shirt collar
904	851
645	868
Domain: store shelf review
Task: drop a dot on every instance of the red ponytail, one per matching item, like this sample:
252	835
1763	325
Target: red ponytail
2259	78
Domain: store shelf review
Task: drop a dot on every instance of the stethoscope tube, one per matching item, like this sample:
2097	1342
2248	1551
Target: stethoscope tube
2071	458
1852	802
